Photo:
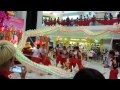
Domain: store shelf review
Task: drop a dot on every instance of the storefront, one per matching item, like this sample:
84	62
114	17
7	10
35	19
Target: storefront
84	44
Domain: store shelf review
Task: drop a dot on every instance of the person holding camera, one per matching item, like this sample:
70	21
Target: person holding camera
7	58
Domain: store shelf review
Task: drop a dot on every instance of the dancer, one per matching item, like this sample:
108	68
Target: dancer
73	62
113	66
64	55
43	52
59	58
50	55
36	57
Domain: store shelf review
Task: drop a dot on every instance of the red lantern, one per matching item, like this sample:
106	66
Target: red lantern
2	29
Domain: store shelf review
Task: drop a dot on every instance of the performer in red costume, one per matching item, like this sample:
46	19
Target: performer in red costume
64	55
59	58
113	66
43	52
36	57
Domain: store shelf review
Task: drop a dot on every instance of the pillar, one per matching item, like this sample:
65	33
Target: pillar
39	19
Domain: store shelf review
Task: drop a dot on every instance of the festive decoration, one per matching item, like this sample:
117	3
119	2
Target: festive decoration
2	29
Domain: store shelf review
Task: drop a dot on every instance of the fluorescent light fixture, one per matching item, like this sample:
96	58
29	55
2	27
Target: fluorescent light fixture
74	39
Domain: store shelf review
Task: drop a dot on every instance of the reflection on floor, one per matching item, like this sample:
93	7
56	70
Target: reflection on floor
93	64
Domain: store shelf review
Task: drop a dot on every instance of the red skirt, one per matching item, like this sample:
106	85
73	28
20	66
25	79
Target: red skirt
114	74
59	58
73	63
47	62
35	59
63	61
79	64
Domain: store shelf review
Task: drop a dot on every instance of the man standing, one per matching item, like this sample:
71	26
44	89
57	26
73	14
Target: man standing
118	17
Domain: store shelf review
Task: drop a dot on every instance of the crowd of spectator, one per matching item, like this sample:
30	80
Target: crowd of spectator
82	20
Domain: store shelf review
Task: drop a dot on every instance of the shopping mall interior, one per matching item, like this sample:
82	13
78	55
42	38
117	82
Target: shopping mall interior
59	44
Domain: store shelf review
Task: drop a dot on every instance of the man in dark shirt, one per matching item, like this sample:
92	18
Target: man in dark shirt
68	21
118	17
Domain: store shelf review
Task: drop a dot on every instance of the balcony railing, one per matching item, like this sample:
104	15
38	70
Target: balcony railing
93	21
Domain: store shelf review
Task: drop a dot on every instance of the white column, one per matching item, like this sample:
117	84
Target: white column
39	19
23	15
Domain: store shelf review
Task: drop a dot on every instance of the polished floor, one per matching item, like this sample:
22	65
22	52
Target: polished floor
93	64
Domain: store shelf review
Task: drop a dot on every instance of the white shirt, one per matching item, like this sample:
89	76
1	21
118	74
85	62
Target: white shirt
36	52
42	51
116	54
64	54
75	53
90	54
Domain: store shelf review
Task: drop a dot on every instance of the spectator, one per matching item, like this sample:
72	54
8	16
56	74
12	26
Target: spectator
71	22
49	19
94	19
87	17
88	73
110	16
7	58
58	20
118	17
77	19
81	18
54	21
106	16
84	18
68	21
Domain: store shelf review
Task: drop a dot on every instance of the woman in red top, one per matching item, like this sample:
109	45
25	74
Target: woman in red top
7	57
113	66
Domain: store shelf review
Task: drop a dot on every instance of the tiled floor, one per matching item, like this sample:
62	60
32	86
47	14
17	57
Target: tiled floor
92	64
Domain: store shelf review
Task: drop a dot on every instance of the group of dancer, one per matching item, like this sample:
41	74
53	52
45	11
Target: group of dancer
67	58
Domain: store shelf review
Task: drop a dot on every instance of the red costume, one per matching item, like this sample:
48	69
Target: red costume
47	62
113	74
59	58
73	62
114	71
